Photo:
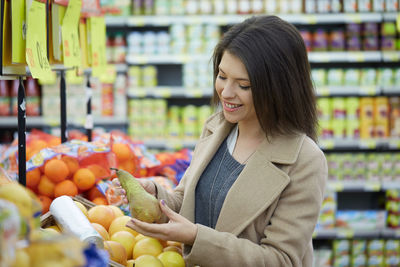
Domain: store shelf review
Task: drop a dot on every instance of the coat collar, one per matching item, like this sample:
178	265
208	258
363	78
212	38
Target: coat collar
257	186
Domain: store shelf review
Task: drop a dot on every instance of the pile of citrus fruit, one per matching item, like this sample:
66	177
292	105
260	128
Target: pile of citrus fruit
127	247
64	176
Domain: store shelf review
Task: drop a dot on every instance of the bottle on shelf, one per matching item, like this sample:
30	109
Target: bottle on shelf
32	97
4	98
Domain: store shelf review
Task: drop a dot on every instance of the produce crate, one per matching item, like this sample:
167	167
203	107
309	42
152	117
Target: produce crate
47	220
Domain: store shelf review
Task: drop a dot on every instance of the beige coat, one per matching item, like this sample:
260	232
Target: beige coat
270	212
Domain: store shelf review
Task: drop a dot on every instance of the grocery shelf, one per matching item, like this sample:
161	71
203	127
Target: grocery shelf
227	19
165	59
348	90
11	122
170	91
360	144
355	233
344	56
314	57
362	186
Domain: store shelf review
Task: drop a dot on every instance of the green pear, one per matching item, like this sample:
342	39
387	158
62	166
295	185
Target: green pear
143	205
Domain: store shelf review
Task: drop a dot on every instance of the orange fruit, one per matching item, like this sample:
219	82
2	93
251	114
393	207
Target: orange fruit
65	188
117	211
101	214
100	201
98	171
171	259
147	246
45	201
101	230
55	141
118	224
46	187
117	251
72	164
84	179
33	178
148	261
56	170
122	151
128	166
37	144
126	239
93	193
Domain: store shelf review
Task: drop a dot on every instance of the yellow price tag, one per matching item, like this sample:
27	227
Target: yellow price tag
372	186
356	18
138	93
345	233
109	75
391	56
36	47
336	186
357	57
52	121
73	78
310	19
368	143
164	93
196	93
327	144
70	37
324	91
98	39
368	90
397	233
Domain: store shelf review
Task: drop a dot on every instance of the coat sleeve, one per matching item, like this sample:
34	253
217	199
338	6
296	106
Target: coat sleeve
285	237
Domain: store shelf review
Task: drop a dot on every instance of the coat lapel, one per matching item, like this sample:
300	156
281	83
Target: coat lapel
259	183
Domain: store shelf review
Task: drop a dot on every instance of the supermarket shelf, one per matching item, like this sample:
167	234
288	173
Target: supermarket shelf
348	90
357	144
391	90
352	56
11	122
362	186
165	59
304	19
353	233
314	57
168	92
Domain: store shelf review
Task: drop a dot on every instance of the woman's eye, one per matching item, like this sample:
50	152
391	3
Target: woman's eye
221	77
245	87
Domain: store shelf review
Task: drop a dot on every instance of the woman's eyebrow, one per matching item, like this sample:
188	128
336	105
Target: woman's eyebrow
238	79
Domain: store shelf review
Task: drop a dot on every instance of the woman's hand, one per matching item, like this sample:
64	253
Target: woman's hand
177	229
146	184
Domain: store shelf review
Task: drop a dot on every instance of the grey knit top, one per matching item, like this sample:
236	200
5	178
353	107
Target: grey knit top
214	184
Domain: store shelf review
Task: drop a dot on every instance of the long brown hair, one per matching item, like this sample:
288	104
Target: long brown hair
276	61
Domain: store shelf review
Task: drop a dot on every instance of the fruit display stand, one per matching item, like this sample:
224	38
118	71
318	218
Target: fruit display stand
47	220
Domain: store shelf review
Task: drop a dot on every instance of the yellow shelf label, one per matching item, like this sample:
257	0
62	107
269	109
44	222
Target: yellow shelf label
52	121
391	56
35	52
370	144
195	93
324	91
327	144
398	22
368	90
372	186
165	93
310	19
356	18
98	37
70	36
345	233
357	57
336	186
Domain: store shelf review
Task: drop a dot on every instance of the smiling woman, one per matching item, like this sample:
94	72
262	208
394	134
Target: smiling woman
252	193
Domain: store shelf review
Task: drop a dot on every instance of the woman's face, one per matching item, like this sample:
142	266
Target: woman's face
234	90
